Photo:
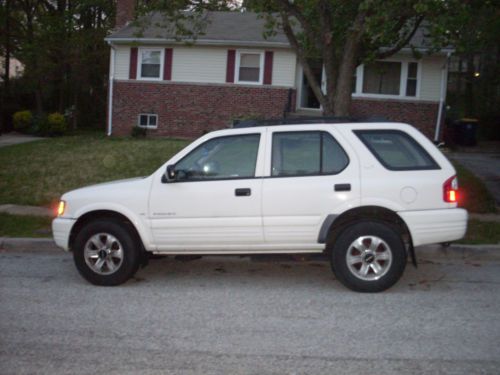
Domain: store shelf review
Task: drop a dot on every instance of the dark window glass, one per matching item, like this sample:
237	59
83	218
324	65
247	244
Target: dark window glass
150	64
306	153
396	150
221	158
143	120
249	67
152	120
150	70
411	82
334	157
382	77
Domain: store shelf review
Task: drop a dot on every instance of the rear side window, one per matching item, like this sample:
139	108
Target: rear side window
396	150
307	153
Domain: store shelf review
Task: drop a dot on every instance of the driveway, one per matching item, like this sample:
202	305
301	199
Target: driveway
484	165
236	316
16	138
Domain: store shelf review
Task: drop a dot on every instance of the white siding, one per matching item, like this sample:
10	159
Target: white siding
430	85
208	65
122	62
199	64
284	65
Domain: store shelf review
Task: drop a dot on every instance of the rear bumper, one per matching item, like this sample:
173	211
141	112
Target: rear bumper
61	229
435	226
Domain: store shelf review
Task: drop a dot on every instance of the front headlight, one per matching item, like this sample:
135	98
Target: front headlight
61	208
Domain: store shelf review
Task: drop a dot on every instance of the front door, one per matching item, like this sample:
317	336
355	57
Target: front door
214	202
307	98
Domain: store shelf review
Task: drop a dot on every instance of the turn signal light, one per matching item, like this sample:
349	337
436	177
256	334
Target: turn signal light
450	190
61	208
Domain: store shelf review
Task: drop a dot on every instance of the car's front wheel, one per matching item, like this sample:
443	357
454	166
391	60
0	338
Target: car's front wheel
105	253
368	257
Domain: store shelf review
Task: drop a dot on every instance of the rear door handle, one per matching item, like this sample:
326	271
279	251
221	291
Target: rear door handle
243	192
342	187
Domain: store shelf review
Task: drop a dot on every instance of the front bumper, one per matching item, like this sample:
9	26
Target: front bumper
61	229
435	226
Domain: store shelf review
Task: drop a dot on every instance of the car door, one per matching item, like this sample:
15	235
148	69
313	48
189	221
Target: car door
310	176
213	204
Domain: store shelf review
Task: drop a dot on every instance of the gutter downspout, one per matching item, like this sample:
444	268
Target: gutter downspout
110	94
442	97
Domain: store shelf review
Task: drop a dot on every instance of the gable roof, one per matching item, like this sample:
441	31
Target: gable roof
222	28
241	29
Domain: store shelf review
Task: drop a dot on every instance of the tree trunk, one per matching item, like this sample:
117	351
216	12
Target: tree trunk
343	90
5	99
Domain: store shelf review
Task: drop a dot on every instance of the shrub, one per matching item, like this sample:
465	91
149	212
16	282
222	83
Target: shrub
23	120
56	124
138	132
40	125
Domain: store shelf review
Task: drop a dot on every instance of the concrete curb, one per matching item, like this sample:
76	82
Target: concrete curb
455	251
459	251
28	244
15	209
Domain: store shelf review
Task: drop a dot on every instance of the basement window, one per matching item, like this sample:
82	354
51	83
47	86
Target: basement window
147	120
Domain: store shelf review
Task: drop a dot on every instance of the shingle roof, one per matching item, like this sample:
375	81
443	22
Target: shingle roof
225	28
239	28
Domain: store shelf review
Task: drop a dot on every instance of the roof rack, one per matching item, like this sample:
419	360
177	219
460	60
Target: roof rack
305	120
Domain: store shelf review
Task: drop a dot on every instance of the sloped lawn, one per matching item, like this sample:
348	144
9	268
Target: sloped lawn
38	173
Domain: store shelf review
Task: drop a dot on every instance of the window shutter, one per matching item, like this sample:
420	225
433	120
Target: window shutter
133	64
268	68
231	55
167	66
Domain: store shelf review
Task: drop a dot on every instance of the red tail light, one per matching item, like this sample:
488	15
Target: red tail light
450	190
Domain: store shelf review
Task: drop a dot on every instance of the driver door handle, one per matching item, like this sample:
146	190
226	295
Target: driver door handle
243	192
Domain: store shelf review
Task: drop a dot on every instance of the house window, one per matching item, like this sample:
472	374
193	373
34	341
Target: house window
382	77
148	120
411	80
249	67
150	63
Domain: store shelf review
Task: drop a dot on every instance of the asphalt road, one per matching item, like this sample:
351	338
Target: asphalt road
237	316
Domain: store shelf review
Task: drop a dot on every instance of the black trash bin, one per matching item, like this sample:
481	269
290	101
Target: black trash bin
466	132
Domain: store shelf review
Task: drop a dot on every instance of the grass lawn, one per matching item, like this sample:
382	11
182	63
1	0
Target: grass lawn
473	193
482	232
24	226
38	173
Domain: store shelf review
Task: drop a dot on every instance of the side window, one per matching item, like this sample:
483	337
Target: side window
221	158
150	64
306	154
396	150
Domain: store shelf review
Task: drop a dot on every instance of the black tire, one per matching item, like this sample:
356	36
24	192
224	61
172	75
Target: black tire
382	257
126	265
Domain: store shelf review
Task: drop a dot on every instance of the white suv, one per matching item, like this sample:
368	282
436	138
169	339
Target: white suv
363	193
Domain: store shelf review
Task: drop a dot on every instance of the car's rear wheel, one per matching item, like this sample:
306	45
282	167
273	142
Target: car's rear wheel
105	253
368	257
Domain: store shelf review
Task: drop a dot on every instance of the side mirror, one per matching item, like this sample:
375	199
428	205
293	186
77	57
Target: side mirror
169	175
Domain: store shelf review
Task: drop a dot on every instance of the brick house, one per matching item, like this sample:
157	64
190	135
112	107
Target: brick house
231	71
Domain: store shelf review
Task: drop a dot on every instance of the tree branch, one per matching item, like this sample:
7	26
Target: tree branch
301	56
402	42
306	26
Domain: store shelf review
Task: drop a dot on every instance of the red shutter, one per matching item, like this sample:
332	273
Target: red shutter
231	54
268	68
167	66
133	64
